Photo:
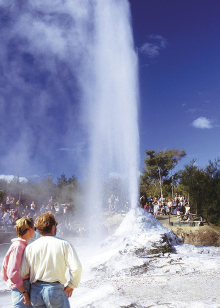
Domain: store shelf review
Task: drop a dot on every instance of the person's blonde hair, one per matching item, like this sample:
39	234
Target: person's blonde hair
45	222
23	225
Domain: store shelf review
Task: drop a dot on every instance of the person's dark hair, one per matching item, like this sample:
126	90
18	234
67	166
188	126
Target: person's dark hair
45	222
23	225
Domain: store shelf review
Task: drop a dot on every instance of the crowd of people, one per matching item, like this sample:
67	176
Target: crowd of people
163	206
11	211
63	212
114	205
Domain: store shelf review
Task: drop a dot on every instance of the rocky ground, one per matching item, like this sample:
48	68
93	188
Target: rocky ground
144	265
149	272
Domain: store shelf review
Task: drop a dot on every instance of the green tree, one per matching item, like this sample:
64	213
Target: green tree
14	187
174	156
158	165
62	181
33	191
194	180
73	181
3	189
212	192
47	188
203	187
67	188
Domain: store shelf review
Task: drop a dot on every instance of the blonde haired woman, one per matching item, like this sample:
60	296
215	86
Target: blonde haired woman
20	286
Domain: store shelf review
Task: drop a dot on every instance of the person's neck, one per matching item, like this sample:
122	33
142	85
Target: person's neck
25	237
49	234
52	232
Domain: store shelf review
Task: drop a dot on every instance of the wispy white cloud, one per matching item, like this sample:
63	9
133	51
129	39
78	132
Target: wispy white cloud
64	149
202	123
191	110
75	148
202	94
154	45
150	50
160	39
10	178
34	176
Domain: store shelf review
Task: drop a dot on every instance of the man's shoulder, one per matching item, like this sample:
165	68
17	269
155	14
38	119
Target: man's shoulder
51	239
61	240
31	244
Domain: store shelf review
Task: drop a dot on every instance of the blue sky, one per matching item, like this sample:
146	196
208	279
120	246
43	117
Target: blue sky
178	48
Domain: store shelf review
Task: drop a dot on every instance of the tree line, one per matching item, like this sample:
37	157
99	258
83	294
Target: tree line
201	186
62	190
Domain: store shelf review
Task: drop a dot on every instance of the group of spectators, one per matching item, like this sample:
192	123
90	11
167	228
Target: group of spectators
163	206
113	204
11	210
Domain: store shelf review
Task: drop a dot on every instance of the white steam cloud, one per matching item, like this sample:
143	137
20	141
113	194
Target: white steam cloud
42	50
60	59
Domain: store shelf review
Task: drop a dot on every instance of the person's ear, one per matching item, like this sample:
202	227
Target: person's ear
53	228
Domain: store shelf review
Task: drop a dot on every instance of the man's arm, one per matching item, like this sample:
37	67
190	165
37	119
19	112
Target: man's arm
75	268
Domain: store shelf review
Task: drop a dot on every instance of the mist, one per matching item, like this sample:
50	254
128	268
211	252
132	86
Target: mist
42	49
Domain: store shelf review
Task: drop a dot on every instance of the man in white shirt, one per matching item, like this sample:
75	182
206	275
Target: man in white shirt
46	260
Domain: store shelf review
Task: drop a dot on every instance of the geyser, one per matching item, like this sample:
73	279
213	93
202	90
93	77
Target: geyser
110	87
